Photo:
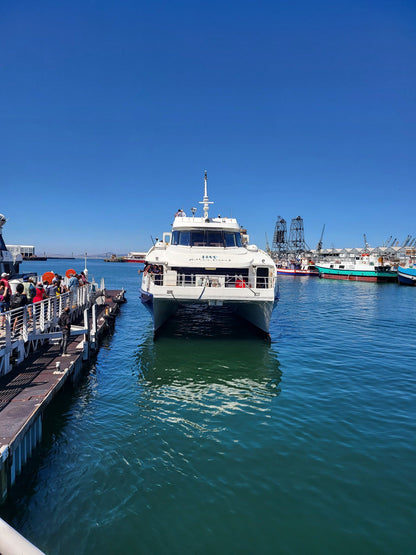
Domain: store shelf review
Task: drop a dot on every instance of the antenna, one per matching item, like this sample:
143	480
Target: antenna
205	201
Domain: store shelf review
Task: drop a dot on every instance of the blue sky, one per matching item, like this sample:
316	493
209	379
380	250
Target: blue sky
111	112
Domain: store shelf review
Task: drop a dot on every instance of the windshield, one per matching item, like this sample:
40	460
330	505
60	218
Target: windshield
206	238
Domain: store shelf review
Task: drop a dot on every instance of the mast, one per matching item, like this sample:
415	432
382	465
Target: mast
205	201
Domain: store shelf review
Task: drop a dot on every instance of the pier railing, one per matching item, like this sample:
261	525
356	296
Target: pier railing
23	328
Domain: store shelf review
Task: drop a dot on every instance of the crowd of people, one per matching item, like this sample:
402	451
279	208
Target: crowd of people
29	292
154	270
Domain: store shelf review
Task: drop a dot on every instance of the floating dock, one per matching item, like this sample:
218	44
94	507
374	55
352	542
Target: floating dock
30	384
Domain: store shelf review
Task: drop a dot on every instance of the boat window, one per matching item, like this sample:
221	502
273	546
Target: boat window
229	239
214	239
175	238
185	238
198	238
206	238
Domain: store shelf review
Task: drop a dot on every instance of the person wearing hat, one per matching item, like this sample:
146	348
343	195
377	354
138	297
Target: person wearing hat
7	292
3	303
29	289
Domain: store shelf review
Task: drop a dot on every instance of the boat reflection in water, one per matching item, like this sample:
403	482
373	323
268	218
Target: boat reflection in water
227	363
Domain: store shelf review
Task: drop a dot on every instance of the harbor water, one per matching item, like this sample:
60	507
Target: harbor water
212	440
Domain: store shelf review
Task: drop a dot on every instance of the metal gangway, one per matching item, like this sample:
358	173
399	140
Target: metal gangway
23	330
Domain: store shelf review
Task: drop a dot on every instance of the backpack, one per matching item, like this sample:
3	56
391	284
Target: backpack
32	291
16	301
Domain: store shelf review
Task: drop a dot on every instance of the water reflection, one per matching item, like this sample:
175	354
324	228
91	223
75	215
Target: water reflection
204	389
224	361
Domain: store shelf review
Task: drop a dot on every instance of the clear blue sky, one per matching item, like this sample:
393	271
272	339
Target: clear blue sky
111	111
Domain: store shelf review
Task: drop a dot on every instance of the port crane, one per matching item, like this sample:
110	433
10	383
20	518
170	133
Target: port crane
267	245
319	245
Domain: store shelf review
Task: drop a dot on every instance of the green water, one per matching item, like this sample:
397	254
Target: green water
223	443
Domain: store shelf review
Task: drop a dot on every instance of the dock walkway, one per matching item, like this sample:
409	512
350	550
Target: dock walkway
29	387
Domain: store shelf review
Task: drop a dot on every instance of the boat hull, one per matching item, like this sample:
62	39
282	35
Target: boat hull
257	312
406	276
294	272
357	275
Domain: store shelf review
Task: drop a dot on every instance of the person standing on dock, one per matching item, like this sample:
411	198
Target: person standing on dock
73	285
7	291
29	289
4	303
64	323
18	301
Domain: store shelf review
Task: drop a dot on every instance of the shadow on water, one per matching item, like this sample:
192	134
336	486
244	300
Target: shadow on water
199	347
206	321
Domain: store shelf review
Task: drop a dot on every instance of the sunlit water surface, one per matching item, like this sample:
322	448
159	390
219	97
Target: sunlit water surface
215	441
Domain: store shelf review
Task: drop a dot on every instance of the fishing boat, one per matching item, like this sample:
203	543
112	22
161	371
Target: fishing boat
406	275
209	261
366	267
303	267
114	258
135	257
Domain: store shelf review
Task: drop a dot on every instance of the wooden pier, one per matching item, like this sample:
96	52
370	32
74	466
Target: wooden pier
27	390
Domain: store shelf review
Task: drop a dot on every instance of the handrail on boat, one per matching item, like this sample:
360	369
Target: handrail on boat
210	280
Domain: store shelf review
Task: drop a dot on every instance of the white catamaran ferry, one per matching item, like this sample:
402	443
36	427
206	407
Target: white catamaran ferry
209	261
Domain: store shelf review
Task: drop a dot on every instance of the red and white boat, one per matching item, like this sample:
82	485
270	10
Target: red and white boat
296	268
135	257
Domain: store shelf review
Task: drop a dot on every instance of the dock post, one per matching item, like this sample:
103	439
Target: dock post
85	355
4	454
94	326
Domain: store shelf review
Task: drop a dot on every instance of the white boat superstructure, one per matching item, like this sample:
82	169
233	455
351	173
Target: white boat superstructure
204	260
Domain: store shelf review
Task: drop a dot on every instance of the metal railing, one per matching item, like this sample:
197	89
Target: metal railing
35	321
209	280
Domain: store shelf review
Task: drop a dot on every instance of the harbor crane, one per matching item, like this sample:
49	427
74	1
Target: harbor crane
267	246
319	245
366	245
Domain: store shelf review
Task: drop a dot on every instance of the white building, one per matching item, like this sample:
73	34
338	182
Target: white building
24	250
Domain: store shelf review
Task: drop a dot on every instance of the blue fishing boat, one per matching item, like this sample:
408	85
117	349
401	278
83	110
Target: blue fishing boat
407	276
